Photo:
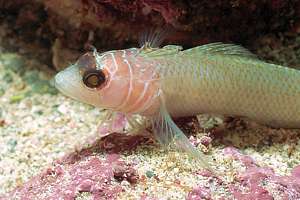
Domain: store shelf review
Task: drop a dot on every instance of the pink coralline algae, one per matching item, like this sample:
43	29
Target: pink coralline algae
253	183
199	193
73	175
116	142
85	171
262	182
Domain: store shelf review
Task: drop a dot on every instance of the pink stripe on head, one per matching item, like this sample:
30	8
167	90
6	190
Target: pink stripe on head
129	91
133	83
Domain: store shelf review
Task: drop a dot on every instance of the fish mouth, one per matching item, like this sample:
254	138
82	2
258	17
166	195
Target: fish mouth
68	81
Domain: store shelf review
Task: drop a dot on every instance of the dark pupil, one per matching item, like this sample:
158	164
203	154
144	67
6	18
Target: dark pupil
93	79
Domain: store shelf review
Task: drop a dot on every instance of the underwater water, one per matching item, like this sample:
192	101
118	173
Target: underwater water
52	146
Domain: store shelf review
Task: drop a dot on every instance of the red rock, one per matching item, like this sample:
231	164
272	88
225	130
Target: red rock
199	193
88	174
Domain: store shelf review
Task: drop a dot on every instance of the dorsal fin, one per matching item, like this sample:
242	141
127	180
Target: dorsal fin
223	49
151	40
147	51
154	37
217	48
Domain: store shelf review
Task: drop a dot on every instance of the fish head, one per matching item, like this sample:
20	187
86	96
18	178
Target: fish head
115	80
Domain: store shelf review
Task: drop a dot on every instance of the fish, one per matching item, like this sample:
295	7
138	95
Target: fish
161	84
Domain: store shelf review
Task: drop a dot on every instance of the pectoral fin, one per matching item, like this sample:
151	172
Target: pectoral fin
168	133
116	122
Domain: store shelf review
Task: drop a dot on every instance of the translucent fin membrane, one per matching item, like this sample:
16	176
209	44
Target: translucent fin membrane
167	133
158	52
154	37
115	122
224	49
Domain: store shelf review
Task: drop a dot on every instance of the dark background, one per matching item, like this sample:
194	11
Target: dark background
57	31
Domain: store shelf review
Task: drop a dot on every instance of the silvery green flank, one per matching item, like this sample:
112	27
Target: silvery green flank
229	80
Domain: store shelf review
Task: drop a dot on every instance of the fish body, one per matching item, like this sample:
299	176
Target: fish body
160	83
197	82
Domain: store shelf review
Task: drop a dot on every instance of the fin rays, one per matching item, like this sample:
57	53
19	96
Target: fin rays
167	133
154	37
225	49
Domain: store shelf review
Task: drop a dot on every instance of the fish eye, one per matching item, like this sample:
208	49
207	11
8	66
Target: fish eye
93	78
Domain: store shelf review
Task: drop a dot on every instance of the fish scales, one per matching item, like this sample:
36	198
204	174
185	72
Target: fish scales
231	85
